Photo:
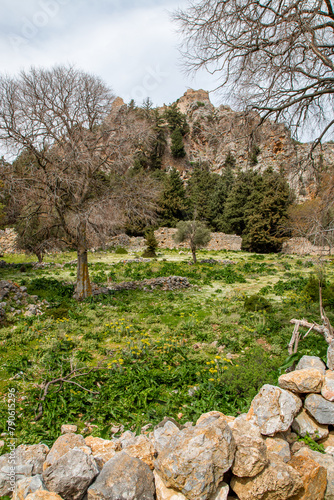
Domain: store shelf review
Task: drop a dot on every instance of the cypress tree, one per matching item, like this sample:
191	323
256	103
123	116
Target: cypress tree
173	203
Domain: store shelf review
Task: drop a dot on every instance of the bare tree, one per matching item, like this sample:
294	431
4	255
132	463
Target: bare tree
314	219
277	57
76	180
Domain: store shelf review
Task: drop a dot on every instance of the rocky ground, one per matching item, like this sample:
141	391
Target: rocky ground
15	300
256	456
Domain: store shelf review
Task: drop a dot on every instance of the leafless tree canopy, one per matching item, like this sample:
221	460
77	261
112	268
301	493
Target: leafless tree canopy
274	55
75	153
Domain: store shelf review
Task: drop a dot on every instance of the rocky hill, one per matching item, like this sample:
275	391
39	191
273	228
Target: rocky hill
214	132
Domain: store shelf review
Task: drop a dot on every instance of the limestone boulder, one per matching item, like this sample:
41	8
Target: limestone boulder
215	414
123	478
6	473
251	451
195	459
320	409
278	481
43	495
126	438
68	429
311	362
327	390
32	454
308	380
164	493
326	461
328	441
142	448
71	474
274	409
63	445
304	424
314	477
278	446
221	493
102	449
330	356
28	485
161	436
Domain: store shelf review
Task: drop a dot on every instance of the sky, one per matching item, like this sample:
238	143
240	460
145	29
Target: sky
132	45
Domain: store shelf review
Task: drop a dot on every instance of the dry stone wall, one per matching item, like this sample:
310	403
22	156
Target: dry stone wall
219	241
255	456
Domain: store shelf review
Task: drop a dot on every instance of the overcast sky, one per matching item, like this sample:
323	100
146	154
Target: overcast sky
131	45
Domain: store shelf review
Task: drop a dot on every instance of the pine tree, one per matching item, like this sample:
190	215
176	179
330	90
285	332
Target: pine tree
151	244
200	188
177	147
256	209
173	203
222	188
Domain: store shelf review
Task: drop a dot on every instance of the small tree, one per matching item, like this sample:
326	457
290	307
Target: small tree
151	244
196	232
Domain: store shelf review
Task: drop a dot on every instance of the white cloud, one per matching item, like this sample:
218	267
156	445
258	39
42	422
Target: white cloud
132	46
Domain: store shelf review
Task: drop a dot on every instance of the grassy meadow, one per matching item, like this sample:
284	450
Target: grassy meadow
141	355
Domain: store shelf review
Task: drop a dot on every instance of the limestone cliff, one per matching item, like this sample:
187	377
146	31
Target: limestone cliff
216	131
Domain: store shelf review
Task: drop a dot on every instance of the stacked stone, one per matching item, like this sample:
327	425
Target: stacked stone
256	456
169	283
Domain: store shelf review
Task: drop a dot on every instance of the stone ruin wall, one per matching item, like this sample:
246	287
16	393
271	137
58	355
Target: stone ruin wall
219	241
164	236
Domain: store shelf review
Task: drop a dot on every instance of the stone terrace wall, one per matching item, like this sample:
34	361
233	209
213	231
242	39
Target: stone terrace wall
219	241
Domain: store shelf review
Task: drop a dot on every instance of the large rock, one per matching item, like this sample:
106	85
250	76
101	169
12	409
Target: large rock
327	390
278	481
302	381
279	446
102	449
195	459
71	474
7	474
142	448
320	409
251	451
123	478
330	356
216	414
274	409
311	362
328	441
303	424
34	454
161	436
43	495
326	461
28	485
314	477
63	445
164	493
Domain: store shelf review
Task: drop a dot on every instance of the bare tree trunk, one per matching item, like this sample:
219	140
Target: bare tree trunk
83	287
193	251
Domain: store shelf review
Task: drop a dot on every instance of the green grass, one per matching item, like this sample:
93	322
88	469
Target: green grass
137	347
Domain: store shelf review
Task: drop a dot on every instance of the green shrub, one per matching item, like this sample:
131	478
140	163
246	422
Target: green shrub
121	251
257	303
